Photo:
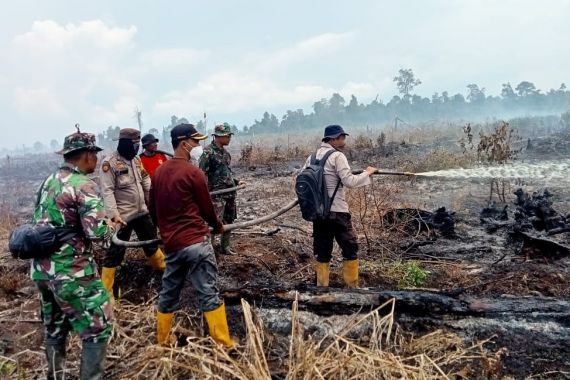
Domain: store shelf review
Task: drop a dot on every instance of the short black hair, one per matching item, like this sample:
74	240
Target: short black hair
175	143
327	139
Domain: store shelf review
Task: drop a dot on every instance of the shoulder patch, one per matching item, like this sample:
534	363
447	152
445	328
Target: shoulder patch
106	166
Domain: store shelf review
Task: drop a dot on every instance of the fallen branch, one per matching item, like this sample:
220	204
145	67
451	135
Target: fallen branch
420	303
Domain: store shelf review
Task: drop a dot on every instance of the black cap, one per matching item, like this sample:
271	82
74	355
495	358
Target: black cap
186	131
148	139
333	131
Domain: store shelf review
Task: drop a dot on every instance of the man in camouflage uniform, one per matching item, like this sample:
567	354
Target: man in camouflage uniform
125	186
215	163
71	293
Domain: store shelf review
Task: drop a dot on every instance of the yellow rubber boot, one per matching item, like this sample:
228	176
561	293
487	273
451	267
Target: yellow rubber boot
218	326
108	279
350	273
156	261
163	326
323	271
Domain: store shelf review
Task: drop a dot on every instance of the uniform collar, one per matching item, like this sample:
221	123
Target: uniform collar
216	147
70	167
327	145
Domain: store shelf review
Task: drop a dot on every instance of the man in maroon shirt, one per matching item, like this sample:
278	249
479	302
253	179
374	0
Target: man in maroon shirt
181	203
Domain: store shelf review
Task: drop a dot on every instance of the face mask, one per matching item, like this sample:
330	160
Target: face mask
196	153
127	149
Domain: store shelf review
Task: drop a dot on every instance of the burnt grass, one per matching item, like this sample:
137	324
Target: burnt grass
472	261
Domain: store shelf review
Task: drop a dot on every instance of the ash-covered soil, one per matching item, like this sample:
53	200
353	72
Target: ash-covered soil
277	256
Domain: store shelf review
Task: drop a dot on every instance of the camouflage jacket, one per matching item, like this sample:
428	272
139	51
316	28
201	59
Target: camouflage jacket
215	163
69	198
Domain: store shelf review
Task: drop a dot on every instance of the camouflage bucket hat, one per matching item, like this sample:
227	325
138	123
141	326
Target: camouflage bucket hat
77	141
223	130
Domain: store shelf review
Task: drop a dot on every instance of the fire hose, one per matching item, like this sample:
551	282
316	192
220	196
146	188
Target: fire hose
227	227
245	224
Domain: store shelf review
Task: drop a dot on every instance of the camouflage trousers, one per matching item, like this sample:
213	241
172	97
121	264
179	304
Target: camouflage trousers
81	304
225	207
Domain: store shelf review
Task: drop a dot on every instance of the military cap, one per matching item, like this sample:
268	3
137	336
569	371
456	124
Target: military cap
148	139
129	133
223	130
79	141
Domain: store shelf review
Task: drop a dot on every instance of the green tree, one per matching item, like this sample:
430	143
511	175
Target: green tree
525	88
476	94
507	92
406	81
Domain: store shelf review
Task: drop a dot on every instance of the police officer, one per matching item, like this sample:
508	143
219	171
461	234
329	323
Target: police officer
72	295
215	163
125	186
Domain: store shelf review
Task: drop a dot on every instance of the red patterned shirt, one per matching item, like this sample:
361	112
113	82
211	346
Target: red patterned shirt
151	162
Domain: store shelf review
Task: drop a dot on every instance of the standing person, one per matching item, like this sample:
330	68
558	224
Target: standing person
150	157
181	204
215	163
71	293
125	186
338	226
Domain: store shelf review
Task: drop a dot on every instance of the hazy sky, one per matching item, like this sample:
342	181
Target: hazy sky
93	62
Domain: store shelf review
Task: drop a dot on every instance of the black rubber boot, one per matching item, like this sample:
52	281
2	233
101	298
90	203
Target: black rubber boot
93	360
55	355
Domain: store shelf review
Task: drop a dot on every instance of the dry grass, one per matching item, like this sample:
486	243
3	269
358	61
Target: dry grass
369	346
383	353
440	159
7	220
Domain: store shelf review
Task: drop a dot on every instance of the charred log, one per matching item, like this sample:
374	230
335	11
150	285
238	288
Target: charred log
419	303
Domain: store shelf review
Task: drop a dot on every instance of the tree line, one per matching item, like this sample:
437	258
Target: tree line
522	99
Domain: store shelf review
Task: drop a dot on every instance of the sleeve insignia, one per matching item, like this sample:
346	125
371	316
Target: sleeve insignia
105	167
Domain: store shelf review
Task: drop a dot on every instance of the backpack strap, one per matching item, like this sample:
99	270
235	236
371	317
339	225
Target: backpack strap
324	158
313	160
335	190
322	162
40	191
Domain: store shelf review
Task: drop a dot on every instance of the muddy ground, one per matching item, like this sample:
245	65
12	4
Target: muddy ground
472	264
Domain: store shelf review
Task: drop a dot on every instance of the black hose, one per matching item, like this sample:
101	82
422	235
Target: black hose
227	228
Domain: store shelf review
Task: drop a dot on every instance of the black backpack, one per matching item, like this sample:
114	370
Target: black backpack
38	241
311	189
